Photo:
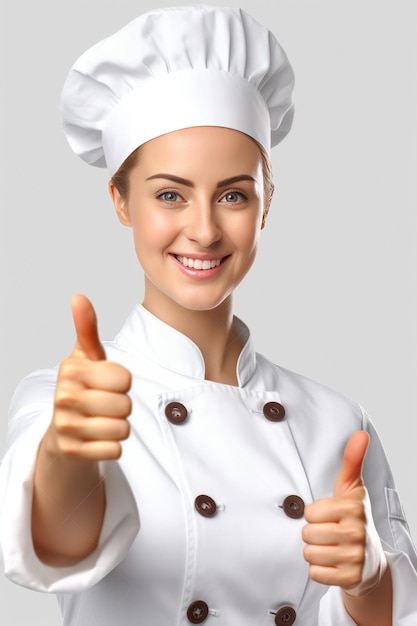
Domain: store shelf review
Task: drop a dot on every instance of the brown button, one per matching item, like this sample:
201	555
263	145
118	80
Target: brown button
197	612
176	412
205	506
293	507
285	615
274	411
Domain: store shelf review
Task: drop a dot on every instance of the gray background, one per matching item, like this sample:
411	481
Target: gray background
333	292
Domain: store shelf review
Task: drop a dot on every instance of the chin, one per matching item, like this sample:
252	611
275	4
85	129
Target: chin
200	306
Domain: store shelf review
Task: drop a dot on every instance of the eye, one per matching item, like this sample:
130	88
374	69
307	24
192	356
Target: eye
233	197
169	196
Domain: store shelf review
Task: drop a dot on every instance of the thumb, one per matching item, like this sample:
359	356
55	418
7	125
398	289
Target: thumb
350	473
85	322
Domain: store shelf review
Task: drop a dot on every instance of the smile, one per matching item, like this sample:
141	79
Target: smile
198	264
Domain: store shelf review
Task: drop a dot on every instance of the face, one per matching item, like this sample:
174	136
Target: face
195	204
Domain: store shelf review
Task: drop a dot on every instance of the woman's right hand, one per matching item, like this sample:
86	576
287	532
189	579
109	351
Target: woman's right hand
91	399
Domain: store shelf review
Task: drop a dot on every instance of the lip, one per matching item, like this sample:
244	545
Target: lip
200	274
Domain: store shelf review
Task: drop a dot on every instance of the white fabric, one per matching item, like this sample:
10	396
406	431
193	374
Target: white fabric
332	611
174	68
247	561
120	524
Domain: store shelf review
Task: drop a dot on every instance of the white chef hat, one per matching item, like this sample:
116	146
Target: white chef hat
174	68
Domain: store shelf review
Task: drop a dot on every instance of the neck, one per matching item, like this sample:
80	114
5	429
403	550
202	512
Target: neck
212	331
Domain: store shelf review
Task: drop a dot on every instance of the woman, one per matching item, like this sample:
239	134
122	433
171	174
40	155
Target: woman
239	494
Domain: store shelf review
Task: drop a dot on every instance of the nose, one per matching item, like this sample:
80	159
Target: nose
203	225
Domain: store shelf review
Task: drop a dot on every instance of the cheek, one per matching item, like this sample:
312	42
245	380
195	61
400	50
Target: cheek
247	232
152	229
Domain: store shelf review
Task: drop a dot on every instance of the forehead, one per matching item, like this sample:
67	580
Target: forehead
202	147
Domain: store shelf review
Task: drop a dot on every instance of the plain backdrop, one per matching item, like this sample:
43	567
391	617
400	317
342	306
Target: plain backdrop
332	294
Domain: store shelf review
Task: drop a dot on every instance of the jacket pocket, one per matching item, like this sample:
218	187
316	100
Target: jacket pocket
398	524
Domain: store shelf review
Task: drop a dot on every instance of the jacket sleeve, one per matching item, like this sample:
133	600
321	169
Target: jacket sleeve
30	415
395	537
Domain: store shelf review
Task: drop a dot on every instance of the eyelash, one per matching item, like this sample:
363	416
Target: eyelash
160	196
243	197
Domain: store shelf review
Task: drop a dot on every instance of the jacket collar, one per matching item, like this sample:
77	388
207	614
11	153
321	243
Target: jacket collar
148	335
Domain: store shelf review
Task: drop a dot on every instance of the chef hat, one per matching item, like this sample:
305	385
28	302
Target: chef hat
174	68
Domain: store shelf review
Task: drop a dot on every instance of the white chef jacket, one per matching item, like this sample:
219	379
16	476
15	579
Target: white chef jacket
158	554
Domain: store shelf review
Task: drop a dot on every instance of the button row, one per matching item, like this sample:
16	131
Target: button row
198	612
293	506
177	413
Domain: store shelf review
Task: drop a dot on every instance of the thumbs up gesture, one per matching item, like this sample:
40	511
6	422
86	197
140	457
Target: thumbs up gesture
342	544
91	401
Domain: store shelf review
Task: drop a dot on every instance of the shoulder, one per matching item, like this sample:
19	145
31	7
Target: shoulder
303	393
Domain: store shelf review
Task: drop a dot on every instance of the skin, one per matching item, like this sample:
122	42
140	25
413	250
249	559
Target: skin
204	219
89	422
195	193
335	536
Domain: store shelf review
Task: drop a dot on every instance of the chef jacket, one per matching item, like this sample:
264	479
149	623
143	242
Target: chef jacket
205	507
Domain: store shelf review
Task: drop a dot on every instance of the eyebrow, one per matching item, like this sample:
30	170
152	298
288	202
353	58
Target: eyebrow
189	183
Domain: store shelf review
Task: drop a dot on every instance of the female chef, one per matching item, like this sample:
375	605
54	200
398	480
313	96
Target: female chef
245	494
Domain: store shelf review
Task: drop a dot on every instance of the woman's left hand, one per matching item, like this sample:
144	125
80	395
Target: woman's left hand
342	545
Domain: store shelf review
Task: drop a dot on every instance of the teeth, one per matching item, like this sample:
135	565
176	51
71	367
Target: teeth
198	264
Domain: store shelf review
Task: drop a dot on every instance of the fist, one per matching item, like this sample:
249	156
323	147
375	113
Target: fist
91	399
342	545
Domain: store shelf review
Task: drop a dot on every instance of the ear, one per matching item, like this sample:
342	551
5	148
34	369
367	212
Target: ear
119	204
264	216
